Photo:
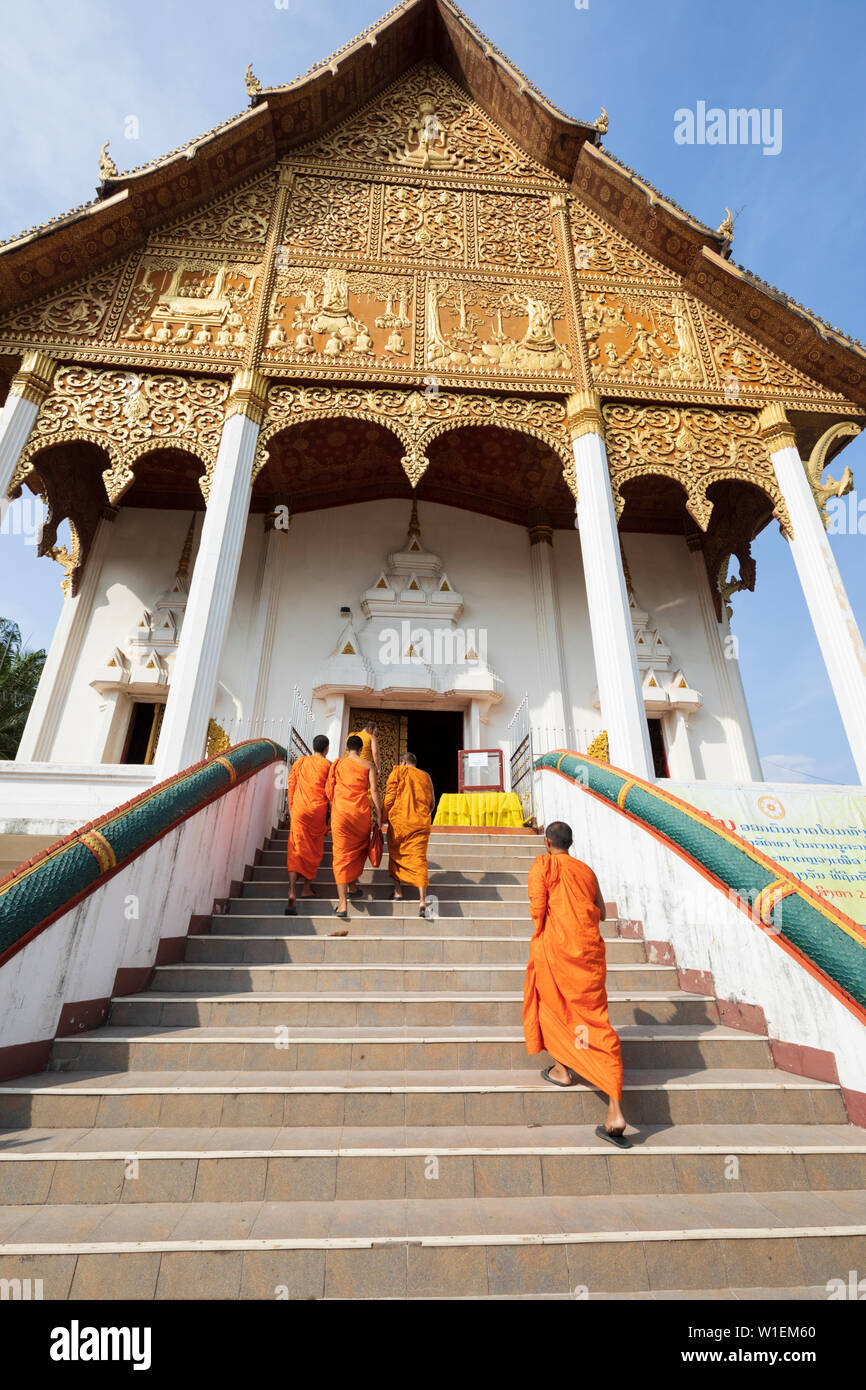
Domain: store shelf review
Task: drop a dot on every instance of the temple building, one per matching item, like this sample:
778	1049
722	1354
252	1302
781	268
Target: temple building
398	398
399	393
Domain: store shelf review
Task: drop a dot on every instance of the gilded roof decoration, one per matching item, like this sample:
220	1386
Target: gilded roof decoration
425	122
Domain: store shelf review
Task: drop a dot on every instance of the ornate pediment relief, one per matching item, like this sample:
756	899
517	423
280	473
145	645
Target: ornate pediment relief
743	365
189	305
426	123
640	335
599	251
236	223
78	315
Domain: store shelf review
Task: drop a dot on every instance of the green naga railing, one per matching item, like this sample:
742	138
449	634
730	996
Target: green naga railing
772	895
38	892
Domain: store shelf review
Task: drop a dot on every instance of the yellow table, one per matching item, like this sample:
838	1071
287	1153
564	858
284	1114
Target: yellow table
479	808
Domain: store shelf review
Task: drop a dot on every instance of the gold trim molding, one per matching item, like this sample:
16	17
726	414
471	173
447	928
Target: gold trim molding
776	429
248	395
584	414
33	379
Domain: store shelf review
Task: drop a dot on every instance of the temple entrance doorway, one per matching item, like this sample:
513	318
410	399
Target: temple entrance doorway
434	736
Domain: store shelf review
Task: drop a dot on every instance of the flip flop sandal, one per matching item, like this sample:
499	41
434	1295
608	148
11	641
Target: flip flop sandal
343	916
396	898
618	1138
290	910
566	1085
423	913
355	893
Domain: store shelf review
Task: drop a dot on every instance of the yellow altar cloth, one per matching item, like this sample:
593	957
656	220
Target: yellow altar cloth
479	808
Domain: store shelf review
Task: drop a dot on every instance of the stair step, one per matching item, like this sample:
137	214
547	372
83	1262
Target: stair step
267	916
272	869
418	1248
362	1048
191	1099
386	1009
267	1164
433	951
420	978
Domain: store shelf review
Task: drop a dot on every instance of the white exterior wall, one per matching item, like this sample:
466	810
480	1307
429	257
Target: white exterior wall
651	883
141	563
333	557
663	579
120	924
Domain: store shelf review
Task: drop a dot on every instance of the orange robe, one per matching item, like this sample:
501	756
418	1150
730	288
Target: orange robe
564	996
408	808
308	809
348	790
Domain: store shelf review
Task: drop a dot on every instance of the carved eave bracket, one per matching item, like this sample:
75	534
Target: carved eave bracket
823	491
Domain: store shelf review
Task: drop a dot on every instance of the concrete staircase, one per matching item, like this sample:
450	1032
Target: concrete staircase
293	1111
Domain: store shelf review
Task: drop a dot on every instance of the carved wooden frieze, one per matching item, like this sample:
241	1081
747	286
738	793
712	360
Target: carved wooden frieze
515	232
191	307
599	251
642	335
417	418
127	415
78	315
327	216
495	326
341	318
236	224
693	446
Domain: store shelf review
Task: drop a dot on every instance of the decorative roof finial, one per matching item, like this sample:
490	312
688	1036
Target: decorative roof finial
602	123
253	84
726	228
414	527
107	166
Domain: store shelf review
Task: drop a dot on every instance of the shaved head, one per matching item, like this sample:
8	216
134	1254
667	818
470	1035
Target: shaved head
559	834
409	759
320	744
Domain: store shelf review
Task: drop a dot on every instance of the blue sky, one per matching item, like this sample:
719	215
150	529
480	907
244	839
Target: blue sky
73	71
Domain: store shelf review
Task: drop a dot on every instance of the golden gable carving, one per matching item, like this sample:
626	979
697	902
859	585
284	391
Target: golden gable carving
426	110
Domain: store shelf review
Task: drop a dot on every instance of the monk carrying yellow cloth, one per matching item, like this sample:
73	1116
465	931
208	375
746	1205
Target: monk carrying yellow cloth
408	808
350	788
308	810
564	998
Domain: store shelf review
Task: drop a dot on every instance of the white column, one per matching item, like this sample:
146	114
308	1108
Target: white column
37	741
556	715
274	561
29	388
734	711
622	706
831	613
212	591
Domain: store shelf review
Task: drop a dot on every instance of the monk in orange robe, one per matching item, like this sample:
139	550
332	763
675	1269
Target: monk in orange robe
308	811
350	788
408	811
564	996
